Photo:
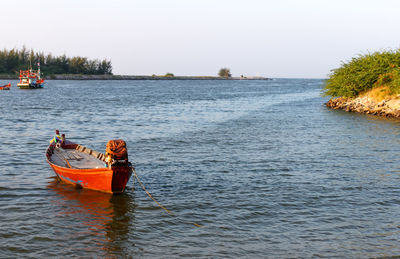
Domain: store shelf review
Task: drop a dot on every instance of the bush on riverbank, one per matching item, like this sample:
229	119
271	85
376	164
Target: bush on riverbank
391	80
364	73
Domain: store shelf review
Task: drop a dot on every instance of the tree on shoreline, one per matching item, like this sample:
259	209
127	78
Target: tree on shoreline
11	61
224	72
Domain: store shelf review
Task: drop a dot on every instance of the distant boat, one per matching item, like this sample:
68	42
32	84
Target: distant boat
30	79
86	168
5	87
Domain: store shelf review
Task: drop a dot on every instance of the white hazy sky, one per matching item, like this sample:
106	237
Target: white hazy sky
273	38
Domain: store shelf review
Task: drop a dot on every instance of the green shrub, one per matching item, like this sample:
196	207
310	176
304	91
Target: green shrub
361	74
394	86
390	80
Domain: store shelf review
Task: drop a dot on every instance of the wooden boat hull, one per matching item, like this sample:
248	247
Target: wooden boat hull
105	179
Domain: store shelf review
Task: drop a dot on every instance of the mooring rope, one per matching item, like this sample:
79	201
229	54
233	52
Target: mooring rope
161	206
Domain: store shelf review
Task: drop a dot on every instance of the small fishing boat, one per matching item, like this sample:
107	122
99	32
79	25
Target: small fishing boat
83	167
30	79
5	87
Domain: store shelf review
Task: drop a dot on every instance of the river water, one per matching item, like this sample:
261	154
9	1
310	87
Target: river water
263	166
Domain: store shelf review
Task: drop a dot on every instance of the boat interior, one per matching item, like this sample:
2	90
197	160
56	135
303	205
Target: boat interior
79	158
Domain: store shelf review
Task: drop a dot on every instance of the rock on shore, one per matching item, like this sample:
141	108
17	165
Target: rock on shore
389	107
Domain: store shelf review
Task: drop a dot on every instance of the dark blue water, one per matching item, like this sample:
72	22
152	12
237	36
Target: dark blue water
263	166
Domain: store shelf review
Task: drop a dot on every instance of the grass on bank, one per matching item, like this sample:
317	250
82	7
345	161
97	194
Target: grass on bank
379	70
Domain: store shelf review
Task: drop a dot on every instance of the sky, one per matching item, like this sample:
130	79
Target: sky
271	38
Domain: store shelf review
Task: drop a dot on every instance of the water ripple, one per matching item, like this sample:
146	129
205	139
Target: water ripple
263	166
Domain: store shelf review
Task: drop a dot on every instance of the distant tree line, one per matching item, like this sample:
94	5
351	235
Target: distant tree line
11	61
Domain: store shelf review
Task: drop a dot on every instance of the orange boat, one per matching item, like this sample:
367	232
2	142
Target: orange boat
86	168
5	87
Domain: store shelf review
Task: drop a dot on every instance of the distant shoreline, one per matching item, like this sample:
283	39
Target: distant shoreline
136	77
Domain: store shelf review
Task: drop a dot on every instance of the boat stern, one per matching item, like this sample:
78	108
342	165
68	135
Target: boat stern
121	176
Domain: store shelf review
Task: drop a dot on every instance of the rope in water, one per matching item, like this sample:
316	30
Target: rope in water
161	206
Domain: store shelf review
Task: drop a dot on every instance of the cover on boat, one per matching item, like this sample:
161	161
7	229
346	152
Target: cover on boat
117	148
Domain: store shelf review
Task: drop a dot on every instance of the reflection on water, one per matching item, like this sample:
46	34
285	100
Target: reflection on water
106	218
